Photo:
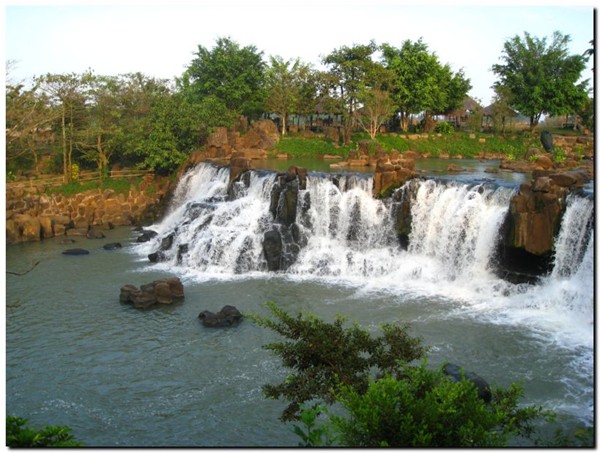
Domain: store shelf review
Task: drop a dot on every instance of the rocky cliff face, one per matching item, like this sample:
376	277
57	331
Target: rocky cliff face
533	221
32	214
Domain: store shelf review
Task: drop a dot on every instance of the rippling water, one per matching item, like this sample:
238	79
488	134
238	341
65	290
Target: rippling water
124	377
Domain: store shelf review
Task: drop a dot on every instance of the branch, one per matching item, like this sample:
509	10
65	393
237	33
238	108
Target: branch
25	272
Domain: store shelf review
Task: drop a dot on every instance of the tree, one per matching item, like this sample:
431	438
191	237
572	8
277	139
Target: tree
324	355
427	409
375	99
541	78
284	84
382	399
99	138
422	83
233	74
29	119
66	91
348	67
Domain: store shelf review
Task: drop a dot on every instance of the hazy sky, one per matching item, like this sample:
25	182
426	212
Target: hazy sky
160	39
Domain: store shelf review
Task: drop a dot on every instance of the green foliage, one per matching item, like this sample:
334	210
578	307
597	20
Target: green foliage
309	147
559	155
235	75
310	433
444	128
324	355
427	409
119	185
19	435
541	78
421	82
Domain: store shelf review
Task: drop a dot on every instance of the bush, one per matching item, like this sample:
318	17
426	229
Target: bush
386	401
324	355
19	435
427	409
444	128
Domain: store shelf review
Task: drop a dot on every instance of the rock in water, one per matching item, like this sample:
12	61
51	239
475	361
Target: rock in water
456	373
75	252
163	291
228	316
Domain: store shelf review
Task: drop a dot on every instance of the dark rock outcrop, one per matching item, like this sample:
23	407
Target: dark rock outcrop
112	246
163	291
546	139
273	249
457	374
282	244
229	316
146	235
76	252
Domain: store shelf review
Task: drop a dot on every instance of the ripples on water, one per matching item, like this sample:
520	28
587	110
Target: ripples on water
123	377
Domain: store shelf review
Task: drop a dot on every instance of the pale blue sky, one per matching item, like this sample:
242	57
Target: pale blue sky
159	40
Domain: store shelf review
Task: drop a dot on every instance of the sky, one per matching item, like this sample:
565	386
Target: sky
160	39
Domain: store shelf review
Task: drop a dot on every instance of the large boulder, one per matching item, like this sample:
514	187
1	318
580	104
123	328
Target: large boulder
389	176
530	227
228	316
273	249
162	291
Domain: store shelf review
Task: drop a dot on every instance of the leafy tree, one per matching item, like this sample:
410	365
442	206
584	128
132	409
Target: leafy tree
67	93
284	83
427	409
29	118
99	138
422	83
501	111
375	100
541	78
233	74
19	435
348	68
324	355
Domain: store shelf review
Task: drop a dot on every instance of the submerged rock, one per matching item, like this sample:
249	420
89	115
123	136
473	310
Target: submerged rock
75	252
457	374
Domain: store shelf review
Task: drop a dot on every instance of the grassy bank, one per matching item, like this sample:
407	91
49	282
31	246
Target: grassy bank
454	145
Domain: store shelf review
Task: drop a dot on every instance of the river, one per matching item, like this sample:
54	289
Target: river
124	377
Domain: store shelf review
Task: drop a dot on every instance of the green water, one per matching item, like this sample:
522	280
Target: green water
122	377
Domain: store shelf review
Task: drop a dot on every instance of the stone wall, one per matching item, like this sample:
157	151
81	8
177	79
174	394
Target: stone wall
32	214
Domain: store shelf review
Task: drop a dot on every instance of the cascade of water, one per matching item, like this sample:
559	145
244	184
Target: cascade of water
457	224
345	229
574	237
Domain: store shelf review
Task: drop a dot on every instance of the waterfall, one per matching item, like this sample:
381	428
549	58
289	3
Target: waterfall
574	239
433	242
340	230
458	224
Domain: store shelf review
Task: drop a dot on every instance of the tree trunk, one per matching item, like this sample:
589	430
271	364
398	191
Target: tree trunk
283	123
64	145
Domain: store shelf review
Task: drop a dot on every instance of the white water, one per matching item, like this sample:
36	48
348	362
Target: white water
350	241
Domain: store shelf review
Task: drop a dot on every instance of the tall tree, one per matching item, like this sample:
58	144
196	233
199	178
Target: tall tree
375	99
100	136
285	80
348	67
67	92
29	120
233	74
542	77
422	83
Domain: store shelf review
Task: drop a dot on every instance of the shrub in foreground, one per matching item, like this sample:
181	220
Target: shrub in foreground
19	435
